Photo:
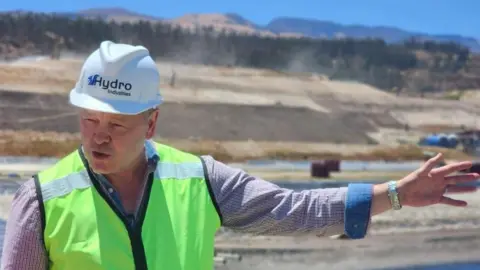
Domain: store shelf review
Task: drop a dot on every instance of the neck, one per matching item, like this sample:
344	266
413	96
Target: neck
134	174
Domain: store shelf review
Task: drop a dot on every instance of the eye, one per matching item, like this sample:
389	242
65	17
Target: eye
117	125
91	120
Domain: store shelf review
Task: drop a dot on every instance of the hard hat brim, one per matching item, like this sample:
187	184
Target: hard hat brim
111	106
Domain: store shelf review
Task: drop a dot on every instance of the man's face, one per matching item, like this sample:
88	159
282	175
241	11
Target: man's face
113	143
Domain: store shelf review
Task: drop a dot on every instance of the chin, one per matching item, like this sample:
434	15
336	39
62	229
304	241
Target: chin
101	167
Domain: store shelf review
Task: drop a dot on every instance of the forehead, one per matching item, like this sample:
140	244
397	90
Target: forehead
108	116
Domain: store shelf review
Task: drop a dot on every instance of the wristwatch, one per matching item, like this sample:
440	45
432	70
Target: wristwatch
393	195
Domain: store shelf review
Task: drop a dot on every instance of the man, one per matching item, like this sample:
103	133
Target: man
122	201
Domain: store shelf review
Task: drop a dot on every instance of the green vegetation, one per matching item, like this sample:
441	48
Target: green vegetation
420	66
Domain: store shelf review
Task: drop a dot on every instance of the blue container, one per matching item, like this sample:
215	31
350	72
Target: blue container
440	140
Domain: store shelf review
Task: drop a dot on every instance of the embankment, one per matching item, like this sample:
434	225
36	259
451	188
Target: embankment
225	122
31	123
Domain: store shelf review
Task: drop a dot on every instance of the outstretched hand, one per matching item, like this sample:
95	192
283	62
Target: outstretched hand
429	185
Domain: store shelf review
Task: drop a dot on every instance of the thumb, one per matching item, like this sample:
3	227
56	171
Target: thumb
430	164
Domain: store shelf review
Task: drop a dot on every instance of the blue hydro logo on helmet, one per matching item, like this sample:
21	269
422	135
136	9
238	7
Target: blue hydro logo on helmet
114	87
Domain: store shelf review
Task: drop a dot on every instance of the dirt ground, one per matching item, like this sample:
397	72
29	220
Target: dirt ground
413	236
239	108
54	144
271	110
373	252
207	84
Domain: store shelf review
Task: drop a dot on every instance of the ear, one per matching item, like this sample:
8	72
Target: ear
152	124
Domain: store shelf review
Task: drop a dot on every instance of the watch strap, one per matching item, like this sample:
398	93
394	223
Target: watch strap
393	195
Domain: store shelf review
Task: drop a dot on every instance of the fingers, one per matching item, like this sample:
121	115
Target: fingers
460	189
452	202
451	168
461	178
430	164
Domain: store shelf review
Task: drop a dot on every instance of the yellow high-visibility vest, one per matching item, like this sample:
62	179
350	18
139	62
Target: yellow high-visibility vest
175	226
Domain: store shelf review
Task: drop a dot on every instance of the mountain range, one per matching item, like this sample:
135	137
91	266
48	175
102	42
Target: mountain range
281	26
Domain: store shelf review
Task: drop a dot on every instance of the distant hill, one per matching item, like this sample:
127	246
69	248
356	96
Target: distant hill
228	22
281	26
415	66
118	14
327	29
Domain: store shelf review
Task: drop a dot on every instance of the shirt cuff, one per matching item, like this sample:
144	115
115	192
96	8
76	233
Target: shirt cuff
357	209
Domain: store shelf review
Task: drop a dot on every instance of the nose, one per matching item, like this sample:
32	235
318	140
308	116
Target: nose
101	137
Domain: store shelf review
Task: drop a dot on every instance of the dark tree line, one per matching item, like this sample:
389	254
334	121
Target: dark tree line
369	60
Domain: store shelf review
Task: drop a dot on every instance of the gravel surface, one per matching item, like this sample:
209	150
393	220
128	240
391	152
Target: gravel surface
438	235
373	252
413	236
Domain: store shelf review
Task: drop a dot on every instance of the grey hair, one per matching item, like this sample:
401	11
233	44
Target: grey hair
149	112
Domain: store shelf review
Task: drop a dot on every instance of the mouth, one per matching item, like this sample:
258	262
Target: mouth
100	155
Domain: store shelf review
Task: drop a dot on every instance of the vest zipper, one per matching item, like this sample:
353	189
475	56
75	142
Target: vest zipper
135	231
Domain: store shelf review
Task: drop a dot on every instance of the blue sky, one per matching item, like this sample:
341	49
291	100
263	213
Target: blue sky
431	16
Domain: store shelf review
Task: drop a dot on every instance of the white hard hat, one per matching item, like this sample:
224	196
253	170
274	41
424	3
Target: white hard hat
118	78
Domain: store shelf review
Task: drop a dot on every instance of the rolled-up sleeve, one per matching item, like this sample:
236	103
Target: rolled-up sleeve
357	210
251	205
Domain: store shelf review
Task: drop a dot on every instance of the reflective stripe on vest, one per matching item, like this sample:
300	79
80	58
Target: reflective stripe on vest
175	230
80	180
